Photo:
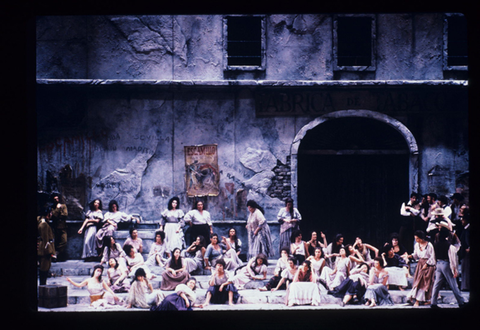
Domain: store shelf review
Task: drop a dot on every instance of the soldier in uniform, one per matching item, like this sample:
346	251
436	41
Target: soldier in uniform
59	222
45	244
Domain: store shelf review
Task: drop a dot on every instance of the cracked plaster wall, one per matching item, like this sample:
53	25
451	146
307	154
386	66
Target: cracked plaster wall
129	145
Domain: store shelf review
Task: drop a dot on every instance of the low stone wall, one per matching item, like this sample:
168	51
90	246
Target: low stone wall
75	241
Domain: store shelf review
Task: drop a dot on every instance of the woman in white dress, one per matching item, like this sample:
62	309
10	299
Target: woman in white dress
92	218
111	220
193	256
282	264
303	290
289	219
256	269
158	254
331	278
259	237
318	261
135	261
172	224
113	249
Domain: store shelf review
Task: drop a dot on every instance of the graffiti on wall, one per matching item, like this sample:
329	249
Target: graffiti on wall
202	174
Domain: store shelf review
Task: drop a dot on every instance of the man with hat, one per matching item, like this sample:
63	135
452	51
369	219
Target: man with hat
438	215
446	245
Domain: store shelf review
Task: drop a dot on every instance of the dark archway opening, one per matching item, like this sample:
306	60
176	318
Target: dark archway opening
353	175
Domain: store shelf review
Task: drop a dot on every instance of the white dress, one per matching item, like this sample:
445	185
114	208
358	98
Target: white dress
334	280
89	240
172	220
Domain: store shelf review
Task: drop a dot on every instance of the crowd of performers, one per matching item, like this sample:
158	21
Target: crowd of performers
358	273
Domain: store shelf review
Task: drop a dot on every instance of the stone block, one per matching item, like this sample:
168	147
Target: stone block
52	296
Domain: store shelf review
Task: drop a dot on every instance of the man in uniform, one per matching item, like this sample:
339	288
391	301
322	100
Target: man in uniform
59	222
45	244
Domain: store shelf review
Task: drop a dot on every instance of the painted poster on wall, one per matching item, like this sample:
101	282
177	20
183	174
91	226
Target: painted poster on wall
202	174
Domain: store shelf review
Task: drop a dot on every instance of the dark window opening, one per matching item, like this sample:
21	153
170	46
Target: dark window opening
457	51
354	41
244	41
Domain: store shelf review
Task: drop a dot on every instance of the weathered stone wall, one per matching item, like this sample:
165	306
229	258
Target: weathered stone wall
101	139
184	47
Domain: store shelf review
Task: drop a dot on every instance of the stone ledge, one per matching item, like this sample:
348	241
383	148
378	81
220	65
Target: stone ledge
252	83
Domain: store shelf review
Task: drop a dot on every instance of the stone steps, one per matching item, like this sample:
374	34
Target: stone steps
79	270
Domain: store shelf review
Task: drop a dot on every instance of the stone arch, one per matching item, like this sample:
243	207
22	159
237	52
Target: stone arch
394	123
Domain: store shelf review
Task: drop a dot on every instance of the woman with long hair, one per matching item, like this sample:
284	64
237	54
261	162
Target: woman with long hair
175	272
282	264
100	292
254	270
303	290
117	277
289	219
172	224
113	250
332	250
194	255
259	237
111	220
89	227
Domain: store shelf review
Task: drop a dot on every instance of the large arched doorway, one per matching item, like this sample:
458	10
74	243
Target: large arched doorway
353	171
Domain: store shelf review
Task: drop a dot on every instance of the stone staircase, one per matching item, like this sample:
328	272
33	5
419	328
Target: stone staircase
78	270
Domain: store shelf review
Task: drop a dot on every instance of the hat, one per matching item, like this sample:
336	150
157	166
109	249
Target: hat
442	223
457	196
438	211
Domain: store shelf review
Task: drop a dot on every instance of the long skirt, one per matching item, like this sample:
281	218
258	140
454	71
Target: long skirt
273	282
397	276
221	297
172	238
422	282
172	302
332	280
89	243
302	293
284	239
349	287
170	281
379	293
261	243
106	230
